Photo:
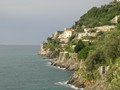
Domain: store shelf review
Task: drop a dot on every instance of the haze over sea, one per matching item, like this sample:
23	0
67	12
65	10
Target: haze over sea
22	69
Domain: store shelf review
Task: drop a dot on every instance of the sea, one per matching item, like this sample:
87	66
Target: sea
21	68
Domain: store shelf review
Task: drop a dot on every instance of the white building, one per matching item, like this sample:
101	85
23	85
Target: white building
115	19
80	35
87	30
118	0
67	32
104	28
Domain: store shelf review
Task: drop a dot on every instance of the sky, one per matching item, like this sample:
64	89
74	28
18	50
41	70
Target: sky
30	22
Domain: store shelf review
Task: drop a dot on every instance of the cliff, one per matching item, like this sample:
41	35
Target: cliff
69	63
94	58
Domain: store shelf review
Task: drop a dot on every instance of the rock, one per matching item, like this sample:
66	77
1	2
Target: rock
70	64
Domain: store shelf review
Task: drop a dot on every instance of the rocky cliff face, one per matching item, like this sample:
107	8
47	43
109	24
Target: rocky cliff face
70	63
45	52
78	79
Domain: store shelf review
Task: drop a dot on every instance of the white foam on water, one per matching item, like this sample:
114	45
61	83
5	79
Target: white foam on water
48	64
60	68
57	67
68	85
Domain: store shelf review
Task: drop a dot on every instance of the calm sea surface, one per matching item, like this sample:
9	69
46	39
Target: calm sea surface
22	69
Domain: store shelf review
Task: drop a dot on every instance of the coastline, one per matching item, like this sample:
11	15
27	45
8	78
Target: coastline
63	83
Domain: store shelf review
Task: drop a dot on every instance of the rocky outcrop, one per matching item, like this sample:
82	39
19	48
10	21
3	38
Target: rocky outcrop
78	80
70	63
45	52
49	54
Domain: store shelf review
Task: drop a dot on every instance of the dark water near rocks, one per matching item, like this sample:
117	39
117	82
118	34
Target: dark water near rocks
22	69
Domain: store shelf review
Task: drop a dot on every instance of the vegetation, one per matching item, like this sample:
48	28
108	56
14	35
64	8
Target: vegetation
83	53
102	50
80	45
98	16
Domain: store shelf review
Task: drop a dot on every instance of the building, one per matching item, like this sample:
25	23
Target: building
67	32
115	19
118	0
80	35
86	30
105	28
92	34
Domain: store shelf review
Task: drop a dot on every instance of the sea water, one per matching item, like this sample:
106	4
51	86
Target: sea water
21	68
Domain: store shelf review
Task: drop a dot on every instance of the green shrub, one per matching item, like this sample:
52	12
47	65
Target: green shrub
98	16
80	45
83	53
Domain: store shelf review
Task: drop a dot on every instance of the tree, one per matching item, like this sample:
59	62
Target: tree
83	53
80	45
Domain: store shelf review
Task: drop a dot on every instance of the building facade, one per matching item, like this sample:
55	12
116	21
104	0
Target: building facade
67	32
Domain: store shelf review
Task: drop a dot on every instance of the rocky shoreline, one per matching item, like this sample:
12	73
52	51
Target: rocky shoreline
72	64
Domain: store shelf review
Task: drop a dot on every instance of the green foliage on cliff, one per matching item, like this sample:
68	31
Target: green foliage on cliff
118	26
103	50
83	53
98	16
113	75
80	45
52	44
107	50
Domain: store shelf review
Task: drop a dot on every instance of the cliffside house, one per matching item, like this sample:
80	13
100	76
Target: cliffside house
64	37
92	34
68	32
115	19
80	35
105	28
87	30
118	0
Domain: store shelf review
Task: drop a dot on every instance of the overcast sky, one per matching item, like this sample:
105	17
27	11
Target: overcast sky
30	22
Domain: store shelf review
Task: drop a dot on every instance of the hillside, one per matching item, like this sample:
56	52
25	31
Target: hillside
92	53
98	16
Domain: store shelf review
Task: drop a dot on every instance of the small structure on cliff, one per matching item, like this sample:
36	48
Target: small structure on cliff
105	28
118	0
115	19
102	71
80	35
68	32
87	30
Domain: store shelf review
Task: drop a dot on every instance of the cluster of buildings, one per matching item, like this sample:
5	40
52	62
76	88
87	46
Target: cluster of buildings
68	33
65	35
92	32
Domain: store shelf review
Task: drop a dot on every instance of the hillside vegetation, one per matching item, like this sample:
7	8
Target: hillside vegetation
103	50
98	16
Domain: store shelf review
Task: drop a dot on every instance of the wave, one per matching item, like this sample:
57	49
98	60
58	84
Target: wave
68	85
48	64
57	67
60	67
